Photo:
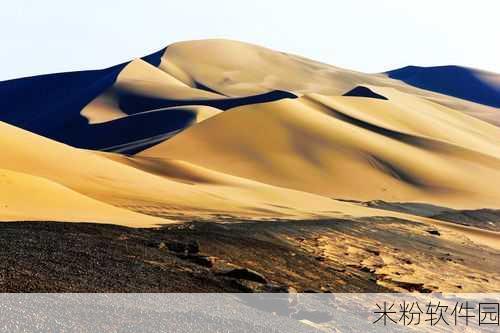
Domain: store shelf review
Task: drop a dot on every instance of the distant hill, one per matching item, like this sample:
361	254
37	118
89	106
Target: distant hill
462	82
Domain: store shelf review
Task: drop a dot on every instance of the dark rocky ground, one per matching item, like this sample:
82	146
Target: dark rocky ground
307	256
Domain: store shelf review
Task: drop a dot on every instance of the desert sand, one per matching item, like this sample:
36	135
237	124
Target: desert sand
219	130
236	68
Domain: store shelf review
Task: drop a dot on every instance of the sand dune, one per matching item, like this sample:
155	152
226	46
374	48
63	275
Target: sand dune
113	107
57	105
30	198
138	131
466	83
216	127
237	69
351	148
139	78
155	186
142	191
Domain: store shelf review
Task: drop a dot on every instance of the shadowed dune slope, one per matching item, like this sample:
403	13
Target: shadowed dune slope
46	103
466	83
131	131
361	91
72	107
401	149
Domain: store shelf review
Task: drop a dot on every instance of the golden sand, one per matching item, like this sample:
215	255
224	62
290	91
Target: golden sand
287	159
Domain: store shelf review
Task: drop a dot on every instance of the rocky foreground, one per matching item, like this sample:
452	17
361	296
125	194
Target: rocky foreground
372	255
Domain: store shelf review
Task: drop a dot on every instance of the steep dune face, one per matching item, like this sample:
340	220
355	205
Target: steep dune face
466	83
352	148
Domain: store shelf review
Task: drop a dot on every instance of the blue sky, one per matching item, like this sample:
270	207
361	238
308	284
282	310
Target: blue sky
372	36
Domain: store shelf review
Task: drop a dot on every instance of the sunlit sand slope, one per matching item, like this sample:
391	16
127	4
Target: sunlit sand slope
45	180
400	149
62	175
29	198
238	69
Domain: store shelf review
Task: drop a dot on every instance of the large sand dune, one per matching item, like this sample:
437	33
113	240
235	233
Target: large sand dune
351	148
238	69
217	127
157	187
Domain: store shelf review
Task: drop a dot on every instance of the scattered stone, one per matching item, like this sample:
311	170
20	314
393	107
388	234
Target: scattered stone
245	274
367	269
247	286
434	232
275	288
320	258
191	247
412	286
205	261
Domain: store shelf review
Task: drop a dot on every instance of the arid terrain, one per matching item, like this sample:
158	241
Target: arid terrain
217	165
366	255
